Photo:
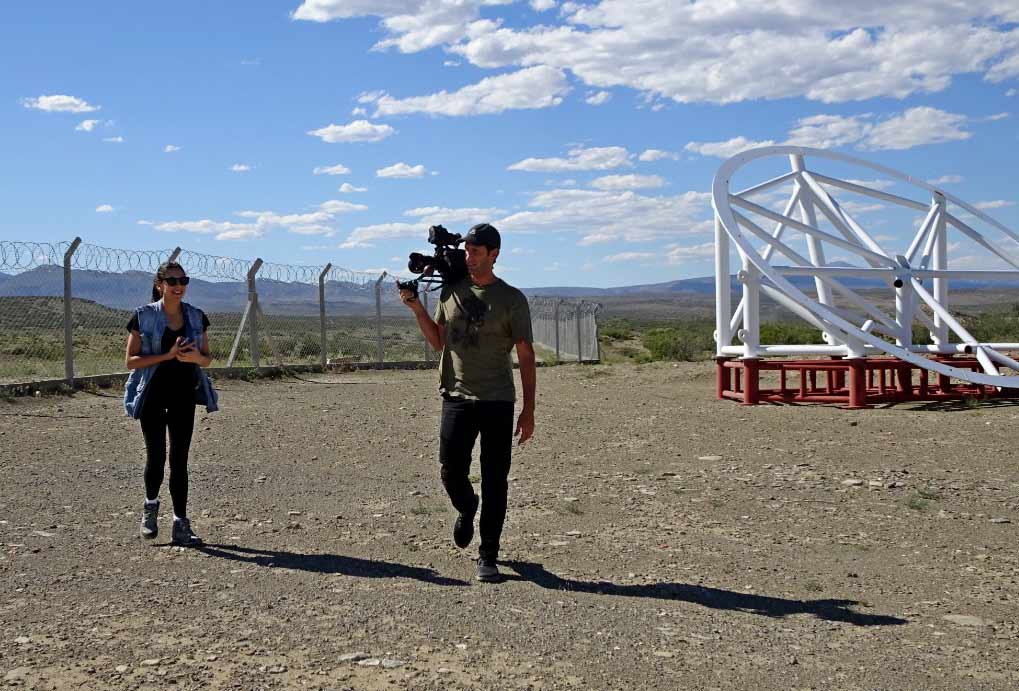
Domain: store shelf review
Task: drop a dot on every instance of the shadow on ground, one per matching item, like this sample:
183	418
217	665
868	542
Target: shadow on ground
326	563
829	610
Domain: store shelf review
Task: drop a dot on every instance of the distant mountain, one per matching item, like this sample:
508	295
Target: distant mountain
706	285
132	288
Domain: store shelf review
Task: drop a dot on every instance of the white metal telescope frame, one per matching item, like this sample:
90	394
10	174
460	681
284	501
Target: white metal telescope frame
854	332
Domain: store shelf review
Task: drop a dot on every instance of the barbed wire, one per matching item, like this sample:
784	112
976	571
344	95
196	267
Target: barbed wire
113	260
214	266
17	256
545	306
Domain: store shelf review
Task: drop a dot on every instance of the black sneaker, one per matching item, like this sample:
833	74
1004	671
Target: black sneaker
463	529
150	512
488	572
182	533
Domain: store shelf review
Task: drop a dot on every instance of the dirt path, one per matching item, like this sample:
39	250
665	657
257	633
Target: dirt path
657	539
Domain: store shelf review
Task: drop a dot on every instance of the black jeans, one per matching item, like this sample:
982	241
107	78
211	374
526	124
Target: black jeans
160	414
462	422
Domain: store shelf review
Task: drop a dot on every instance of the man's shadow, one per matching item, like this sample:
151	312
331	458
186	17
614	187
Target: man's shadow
830	610
326	563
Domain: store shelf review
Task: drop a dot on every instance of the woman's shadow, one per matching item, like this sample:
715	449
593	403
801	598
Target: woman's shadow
326	563
830	610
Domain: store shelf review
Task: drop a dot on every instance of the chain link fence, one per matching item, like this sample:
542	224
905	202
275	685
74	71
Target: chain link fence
566	329
64	309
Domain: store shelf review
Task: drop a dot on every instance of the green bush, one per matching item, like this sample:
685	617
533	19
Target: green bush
688	342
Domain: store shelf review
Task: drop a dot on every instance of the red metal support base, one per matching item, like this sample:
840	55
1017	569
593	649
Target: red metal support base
853	382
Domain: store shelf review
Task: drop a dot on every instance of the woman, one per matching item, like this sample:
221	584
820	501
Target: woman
166	349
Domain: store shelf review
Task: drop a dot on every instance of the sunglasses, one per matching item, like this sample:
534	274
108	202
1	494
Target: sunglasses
173	280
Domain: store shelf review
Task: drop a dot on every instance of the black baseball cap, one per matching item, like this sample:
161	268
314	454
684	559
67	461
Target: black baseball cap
484	234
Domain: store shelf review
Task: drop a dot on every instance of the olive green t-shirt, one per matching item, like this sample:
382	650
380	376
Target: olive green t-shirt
481	325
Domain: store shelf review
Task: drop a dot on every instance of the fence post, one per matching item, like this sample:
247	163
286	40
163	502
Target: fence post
378	318
580	342
597	331
428	347
253	312
173	255
68	317
558	302
322	312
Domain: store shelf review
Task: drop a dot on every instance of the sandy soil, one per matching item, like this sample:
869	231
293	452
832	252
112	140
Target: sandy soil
656	539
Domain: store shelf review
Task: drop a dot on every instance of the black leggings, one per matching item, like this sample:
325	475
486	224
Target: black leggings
462	422
159	416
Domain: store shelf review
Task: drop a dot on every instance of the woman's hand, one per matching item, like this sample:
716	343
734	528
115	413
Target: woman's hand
185	351
176	349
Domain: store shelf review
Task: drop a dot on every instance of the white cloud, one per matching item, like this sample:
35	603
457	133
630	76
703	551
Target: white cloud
534	87
104	209
363	236
347	188
356	131
401	170
915	127
997	116
87	125
542	5
651	155
672	255
413	25
1012	92
596	158
59	103
726	51
170	148
336	206
946	180
240	167
607	216
627	182
338	169
261	223
727	148
438	215
678	254
359	112
597	99
995	204
114	140
716	51
631	257
829	131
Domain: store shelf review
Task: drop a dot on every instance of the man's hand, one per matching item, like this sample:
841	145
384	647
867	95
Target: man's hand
525	426
410	298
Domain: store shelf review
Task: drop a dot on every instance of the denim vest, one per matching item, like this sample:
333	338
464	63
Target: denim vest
151	324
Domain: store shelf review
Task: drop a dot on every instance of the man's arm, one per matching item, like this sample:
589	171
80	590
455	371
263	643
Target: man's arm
432	332
528	378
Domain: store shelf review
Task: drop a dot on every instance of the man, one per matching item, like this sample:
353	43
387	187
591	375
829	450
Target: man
478	321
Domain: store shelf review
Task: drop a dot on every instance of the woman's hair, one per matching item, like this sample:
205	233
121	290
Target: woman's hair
161	273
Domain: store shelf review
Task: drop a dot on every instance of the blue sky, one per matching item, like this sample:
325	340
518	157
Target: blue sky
588	132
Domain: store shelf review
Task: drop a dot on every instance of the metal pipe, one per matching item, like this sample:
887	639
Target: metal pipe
868	192
816	232
253	311
723	290
68	313
322	313
378	318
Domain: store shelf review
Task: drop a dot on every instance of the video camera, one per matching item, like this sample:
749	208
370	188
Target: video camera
449	261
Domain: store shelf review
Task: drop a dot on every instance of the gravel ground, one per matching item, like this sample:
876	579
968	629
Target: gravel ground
656	539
